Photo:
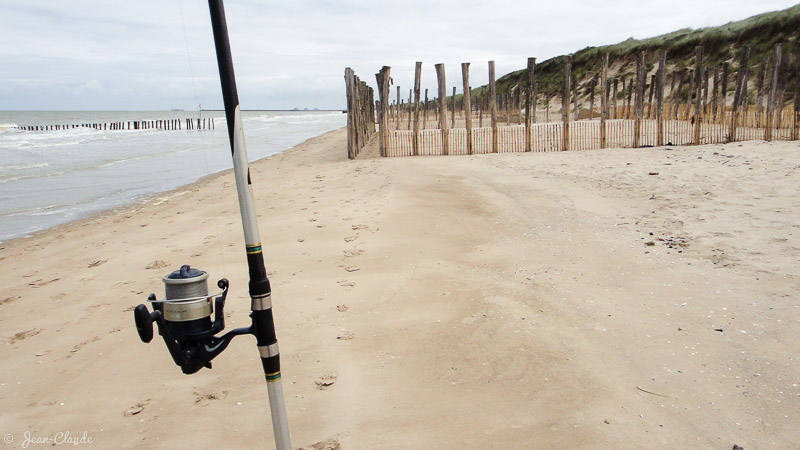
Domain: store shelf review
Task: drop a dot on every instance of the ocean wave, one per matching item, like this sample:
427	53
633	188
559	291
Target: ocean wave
24	166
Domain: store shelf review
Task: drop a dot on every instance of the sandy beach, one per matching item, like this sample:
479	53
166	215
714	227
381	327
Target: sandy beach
625	298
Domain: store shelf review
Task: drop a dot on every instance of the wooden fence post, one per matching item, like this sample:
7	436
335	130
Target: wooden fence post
575	107
723	91
628	111
397	110
467	104
592	85
773	87
660	81
547	107
351	145
705	91
639	105
690	94
565	90
453	109
676	95
417	82
796	108
762	73
425	110
741	79
603	101
698	92
530	102
382	78
715	95
410	108
443	108
783	70
493	106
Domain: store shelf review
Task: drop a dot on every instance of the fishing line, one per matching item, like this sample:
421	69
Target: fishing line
214	193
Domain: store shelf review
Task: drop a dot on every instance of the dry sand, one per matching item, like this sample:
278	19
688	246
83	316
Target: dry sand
633	298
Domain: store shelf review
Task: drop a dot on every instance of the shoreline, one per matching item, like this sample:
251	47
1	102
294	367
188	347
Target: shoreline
144	199
628	299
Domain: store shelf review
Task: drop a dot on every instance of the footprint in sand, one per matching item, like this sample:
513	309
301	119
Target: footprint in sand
22	335
346	284
209	396
157	264
353	252
79	346
99	262
326	380
350	238
39	283
137	408
9	300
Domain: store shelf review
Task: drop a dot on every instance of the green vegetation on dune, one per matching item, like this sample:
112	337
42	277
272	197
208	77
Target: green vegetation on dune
720	44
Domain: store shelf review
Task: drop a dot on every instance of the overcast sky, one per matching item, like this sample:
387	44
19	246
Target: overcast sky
133	55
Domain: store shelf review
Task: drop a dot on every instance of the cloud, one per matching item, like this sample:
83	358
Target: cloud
153	54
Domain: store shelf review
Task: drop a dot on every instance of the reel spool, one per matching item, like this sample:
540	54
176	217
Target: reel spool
184	319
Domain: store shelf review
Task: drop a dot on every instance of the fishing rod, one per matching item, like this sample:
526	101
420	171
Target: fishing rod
183	317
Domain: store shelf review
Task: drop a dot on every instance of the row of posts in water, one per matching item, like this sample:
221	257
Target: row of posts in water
206	123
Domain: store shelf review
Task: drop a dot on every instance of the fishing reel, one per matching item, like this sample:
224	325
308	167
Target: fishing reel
184	319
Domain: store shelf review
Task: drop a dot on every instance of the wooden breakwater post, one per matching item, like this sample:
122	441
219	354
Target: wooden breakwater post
639	101
530	103
493	106
382	78
417	83
440	76
565	90
467	105
660	81
158	124
698	86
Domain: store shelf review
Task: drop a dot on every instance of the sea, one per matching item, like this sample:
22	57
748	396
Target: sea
49	178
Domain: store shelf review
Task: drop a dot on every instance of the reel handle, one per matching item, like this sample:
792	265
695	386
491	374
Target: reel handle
144	321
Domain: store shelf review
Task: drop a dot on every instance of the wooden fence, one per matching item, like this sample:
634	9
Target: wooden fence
360	113
698	111
583	135
166	124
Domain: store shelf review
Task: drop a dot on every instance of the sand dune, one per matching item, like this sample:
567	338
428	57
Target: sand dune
616	298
